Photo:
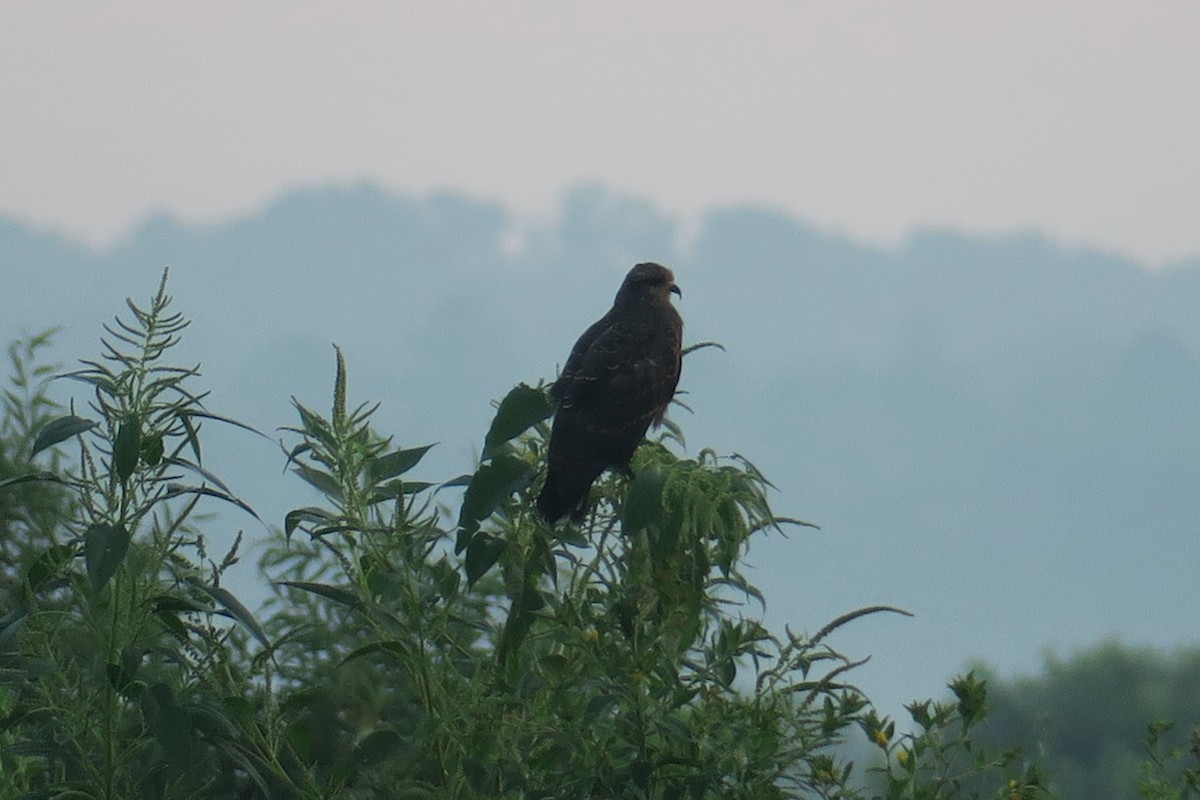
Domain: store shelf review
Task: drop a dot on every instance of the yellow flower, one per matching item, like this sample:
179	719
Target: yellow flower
881	738
592	635
902	758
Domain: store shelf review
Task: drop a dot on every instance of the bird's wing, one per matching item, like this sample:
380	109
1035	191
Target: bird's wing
578	374
624	373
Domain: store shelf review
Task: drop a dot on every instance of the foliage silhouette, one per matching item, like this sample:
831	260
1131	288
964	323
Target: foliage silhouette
1097	721
411	648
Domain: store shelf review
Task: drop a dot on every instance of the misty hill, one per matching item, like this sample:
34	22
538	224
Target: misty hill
1002	434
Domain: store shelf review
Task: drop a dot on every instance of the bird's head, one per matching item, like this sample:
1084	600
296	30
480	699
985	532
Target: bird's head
649	280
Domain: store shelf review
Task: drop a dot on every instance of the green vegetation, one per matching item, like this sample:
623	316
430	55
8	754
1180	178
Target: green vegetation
421	641
1099	722
31	511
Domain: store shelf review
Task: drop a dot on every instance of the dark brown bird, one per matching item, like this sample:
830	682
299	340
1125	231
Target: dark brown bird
617	382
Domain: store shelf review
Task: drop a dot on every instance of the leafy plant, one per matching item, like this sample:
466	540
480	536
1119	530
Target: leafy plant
1170	773
939	757
30	510
118	667
1083	718
497	657
379	641
423	639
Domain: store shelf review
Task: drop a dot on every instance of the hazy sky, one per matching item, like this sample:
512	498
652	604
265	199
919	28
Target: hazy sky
1081	119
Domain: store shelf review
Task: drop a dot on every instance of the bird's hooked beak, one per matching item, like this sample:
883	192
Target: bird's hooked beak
675	291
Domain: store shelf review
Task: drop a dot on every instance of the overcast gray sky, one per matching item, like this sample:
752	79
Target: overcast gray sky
1081	119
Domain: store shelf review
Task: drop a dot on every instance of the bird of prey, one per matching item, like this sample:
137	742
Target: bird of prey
617	382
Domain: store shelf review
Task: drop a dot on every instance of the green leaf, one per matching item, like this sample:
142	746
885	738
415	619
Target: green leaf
345	527
457	482
446	579
211	722
127	447
241	709
391	648
320	480
296	516
531	600
726	671
104	548
972	697
96	376
47	566
194	412
555	664
314	426
395	463
11	622
174	626
346	597
919	711
121	674
299	449
173	603
183	463
643	504
599	706
379	746
235	609
175	490
48	477
492	484
302	700
59	430
482	554
169	723
192	434
521	409
251	768
394	489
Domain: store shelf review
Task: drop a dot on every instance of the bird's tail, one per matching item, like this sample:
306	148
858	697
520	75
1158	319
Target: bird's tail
566	491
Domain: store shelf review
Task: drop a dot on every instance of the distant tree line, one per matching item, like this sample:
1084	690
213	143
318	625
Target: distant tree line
1097	721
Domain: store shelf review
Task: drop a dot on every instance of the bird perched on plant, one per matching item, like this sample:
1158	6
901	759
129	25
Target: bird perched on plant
617	382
